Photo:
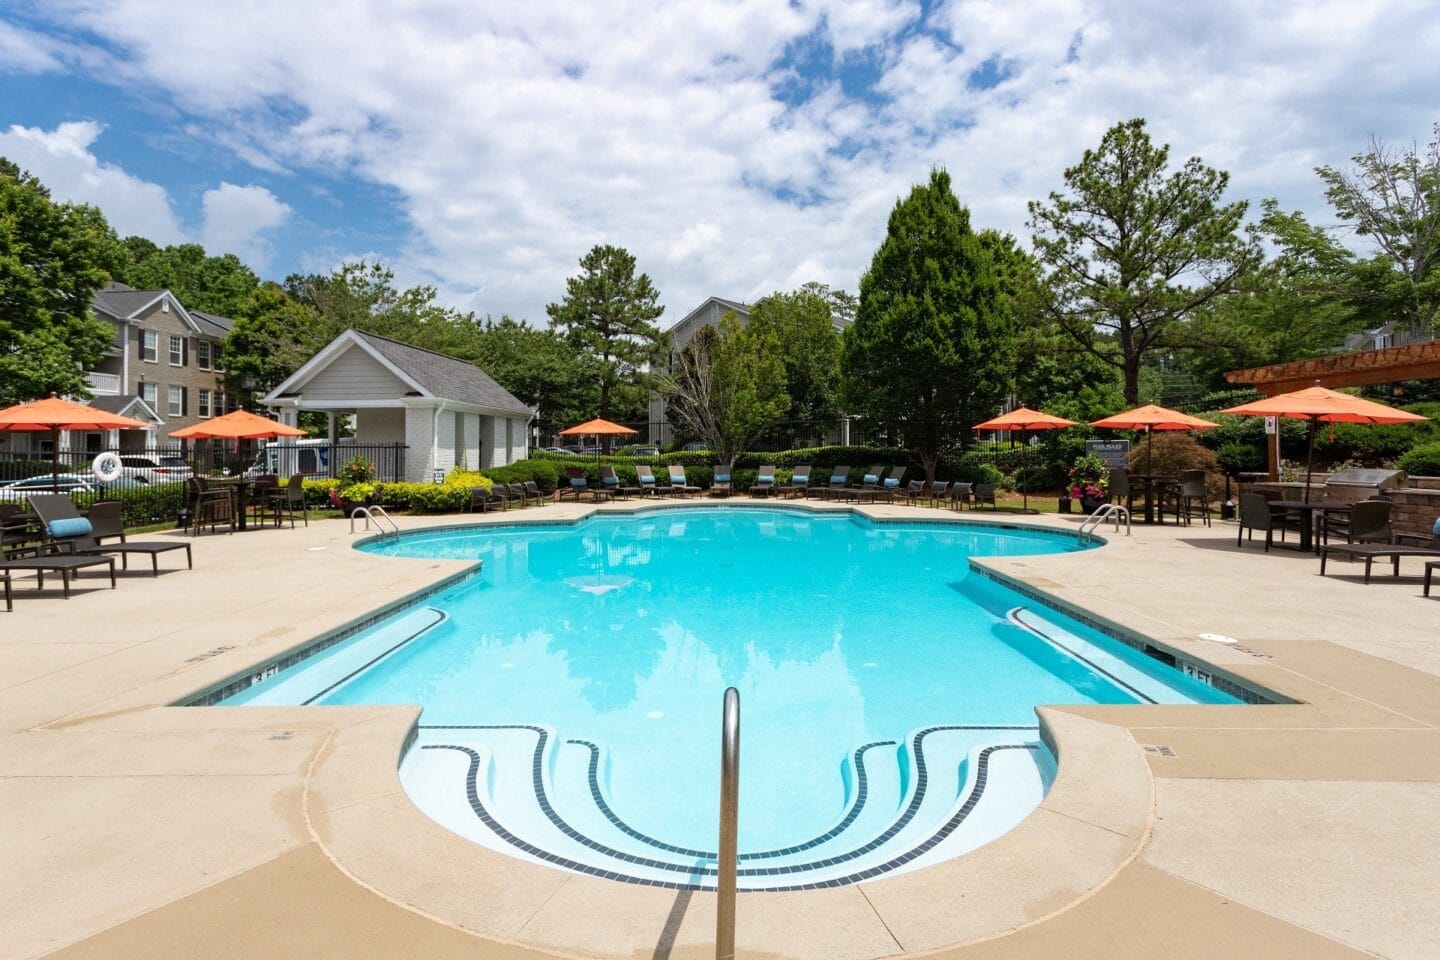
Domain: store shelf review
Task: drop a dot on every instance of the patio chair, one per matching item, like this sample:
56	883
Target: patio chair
678	483
66	564
209	506
720	482
483	499
74	535
960	495
869	483
1256	514
289	500
610	480
518	492
889	488
938	492
1417	546
577	483
984	493
1192	490
1367	522
16	534
265	486
915	491
532	489
645	476
764	484
838	486
799	482
1120	487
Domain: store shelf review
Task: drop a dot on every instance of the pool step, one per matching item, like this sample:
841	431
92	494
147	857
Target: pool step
520	790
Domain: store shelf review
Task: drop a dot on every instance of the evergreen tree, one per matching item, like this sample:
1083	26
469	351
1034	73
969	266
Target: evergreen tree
931	351
1132	251
53	259
608	316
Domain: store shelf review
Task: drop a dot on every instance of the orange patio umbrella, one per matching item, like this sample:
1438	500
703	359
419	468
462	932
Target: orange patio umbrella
598	428
238	425
1319	404
54	414
1150	417
1024	419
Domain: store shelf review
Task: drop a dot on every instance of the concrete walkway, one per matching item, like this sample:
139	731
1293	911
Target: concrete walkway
130	828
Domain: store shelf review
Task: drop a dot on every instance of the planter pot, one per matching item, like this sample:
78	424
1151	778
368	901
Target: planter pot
1064	505
1091	504
347	507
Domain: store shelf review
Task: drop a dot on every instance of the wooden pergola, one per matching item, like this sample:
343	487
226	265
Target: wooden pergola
1412	361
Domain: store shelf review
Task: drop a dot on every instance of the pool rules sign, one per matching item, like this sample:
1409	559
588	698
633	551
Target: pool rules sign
1115	453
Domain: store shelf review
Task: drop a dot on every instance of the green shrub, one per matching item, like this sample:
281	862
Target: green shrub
1237	458
545	473
156	503
1421	461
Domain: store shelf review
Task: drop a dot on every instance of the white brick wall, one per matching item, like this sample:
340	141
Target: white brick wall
419	439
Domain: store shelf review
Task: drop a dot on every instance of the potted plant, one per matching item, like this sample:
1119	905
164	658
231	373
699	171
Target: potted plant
1090	482
347	497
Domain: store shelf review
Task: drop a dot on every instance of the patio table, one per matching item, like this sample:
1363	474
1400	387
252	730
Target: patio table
1154	485
1312	514
239	488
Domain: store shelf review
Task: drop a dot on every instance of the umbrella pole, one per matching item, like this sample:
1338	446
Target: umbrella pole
1025	494
1309	457
1149	451
54	459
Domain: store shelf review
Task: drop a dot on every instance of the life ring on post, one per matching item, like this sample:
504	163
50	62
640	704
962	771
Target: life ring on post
107	467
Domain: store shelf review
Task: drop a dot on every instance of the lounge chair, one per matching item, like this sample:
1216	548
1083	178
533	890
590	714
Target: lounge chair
524	496
611	482
720	482
1370	552
75	535
984	493
65	564
764	484
888	488
578	483
869	483
799	482
483	500
839	484
1256	514
678	484
646	478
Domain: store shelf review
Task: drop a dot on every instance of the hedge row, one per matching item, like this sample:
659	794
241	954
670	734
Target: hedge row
815	457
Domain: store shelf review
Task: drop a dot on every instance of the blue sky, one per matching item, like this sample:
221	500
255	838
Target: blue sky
736	148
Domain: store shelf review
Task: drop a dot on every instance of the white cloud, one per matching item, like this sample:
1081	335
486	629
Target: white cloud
518	135
62	159
237	219
24	51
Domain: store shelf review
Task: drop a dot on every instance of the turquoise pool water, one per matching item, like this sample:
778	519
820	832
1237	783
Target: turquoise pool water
583	672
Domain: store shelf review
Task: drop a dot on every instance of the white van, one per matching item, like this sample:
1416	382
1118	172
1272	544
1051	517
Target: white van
307	456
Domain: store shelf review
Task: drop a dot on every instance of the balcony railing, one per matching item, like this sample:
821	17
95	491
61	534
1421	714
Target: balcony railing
105	384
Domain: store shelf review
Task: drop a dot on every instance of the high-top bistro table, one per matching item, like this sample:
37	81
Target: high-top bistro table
1154	484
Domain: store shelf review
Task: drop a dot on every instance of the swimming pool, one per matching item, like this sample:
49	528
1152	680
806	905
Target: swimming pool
571	692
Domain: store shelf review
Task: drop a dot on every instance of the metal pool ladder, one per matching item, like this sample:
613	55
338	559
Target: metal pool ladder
727	858
1114	512
377	513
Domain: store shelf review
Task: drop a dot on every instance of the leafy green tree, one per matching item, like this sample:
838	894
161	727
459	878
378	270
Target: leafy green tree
1391	198
728	386
53	258
364	296
802	324
538	366
1132	251
274	334
931	350
608	315
218	285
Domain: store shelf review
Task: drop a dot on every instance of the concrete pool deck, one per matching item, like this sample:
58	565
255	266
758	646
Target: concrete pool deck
131	828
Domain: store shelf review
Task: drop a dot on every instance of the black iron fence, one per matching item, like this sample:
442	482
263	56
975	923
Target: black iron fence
32	470
785	435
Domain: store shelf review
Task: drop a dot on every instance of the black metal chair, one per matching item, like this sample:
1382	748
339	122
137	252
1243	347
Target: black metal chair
984	493
960	495
209	507
1192	490
289	500
1256	514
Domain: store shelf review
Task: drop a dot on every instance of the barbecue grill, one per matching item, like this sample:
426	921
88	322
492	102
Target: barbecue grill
1350	486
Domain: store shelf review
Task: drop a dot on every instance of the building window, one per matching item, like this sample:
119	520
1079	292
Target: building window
149	346
177	401
150	393
203	404
215	355
177	350
202	354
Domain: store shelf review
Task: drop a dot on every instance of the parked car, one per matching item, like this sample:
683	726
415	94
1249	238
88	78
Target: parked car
553	450
697	445
640	450
160	469
65	483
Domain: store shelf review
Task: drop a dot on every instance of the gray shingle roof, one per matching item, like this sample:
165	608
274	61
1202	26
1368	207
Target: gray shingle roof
113	403
449	378
211	325
121	301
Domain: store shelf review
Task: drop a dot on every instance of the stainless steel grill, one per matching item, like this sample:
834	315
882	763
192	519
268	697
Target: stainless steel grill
1348	486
